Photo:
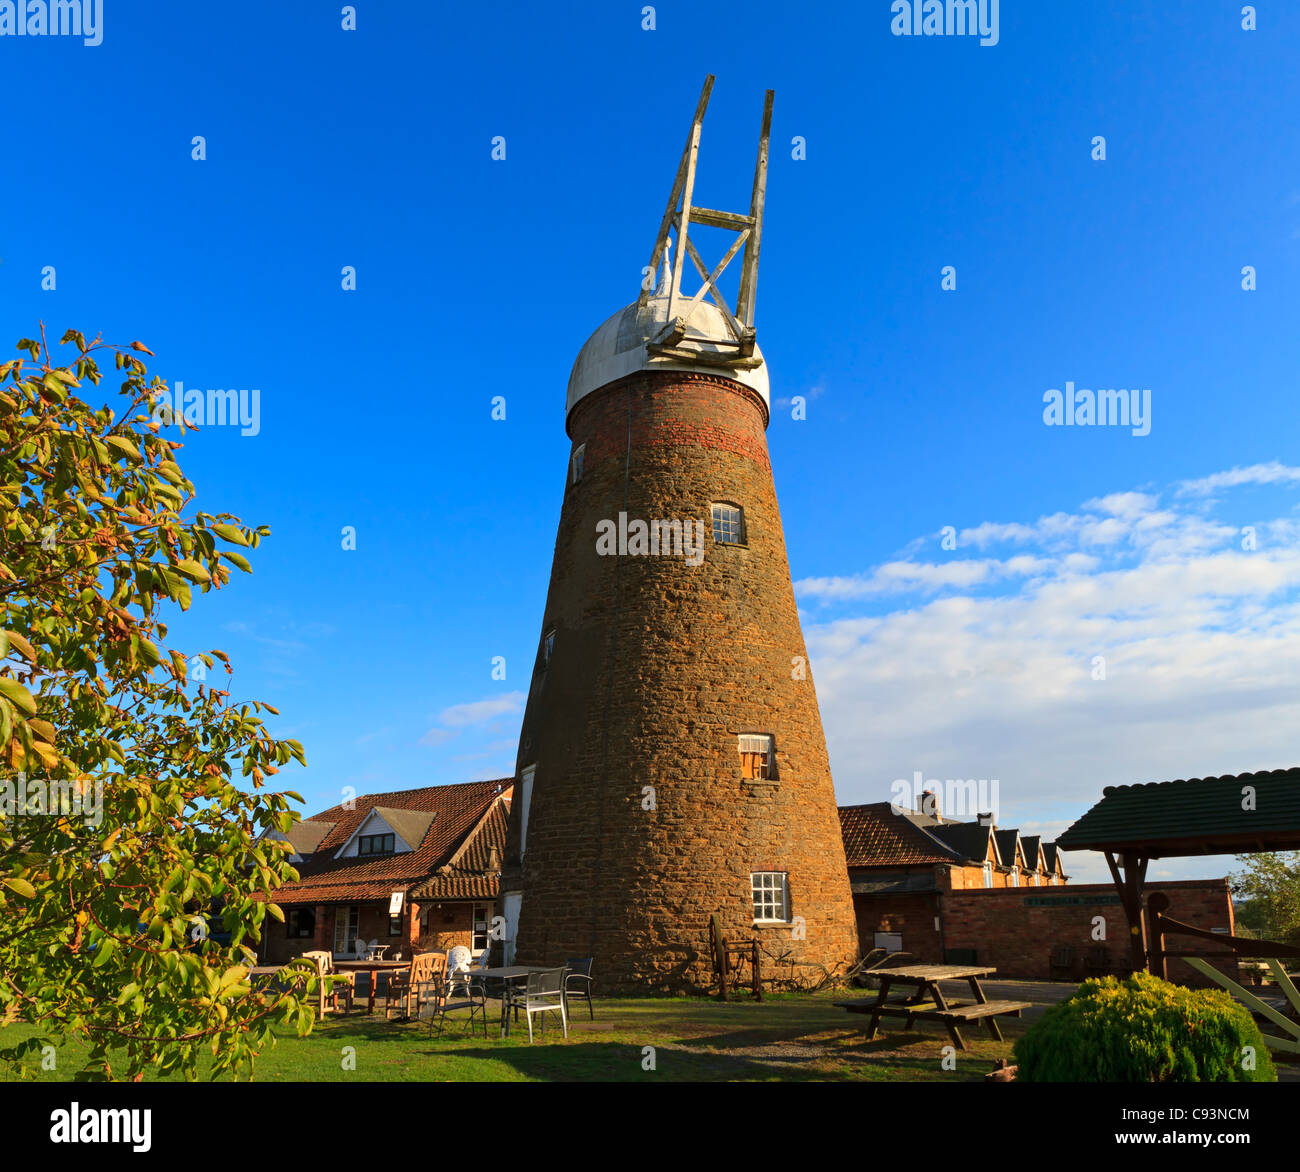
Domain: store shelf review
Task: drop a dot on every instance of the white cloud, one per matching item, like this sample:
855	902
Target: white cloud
452	721
1271	473
983	668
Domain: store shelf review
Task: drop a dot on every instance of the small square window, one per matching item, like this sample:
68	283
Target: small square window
728	524
771	896
575	464
756	763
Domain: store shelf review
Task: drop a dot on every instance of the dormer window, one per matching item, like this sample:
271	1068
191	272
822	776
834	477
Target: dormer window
728	524
376	844
575	464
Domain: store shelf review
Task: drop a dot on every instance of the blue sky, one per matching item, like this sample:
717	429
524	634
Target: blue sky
477	278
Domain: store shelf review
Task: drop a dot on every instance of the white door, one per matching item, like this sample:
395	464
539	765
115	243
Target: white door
346	922
512	901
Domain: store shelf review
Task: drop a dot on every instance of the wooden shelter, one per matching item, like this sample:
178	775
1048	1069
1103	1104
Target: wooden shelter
1241	814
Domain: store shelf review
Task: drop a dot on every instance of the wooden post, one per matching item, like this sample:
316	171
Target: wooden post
1157	905
1129	885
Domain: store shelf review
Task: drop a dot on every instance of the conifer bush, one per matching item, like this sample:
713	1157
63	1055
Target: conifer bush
1143	1029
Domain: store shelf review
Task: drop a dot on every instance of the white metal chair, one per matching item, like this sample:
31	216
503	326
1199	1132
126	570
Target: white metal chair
544	993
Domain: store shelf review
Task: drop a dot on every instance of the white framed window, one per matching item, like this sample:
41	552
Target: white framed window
988	874
756	763
480	923
728	524
525	801
771	896
1015	876
576	462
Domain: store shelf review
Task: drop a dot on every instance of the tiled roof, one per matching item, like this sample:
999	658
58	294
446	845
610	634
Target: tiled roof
1006	840
970	840
875	836
306	836
409	825
476	873
456	810
1206	815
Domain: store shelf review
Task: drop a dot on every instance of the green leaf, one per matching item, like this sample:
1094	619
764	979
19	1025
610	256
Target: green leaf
170	472
230	533
18	696
124	448
19	644
20	887
193	570
237	559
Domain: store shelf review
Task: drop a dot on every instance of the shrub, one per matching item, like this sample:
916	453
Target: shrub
1143	1029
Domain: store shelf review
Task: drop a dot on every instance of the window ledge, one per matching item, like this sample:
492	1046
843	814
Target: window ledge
760	782
773	923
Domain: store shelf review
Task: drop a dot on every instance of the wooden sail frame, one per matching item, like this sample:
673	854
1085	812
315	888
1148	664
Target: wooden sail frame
674	340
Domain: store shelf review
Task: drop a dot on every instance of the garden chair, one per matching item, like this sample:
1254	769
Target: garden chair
424	968
577	981
333	986
1097	962
1062	962
544	993
435	999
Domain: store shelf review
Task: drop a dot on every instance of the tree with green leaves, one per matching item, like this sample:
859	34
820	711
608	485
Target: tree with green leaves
1269	886
125	827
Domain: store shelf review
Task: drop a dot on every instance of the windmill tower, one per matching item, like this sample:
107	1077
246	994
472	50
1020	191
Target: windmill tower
672	763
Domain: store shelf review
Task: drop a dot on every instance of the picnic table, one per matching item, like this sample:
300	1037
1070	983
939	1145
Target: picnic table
924	1000
373	967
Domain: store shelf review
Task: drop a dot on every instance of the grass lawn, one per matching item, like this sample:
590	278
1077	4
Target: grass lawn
796	1036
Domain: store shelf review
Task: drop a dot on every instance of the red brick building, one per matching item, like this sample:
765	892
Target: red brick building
973	893
900	861
415	869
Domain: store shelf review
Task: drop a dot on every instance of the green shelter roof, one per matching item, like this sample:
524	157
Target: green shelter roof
1233	814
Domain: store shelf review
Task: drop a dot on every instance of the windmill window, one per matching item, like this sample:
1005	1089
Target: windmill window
728	524
771	896
548	648
756	763
575	464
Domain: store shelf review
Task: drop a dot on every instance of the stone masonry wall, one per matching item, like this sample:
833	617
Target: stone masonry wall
640	825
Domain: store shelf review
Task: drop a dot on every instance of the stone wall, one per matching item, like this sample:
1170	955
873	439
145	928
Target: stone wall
640	824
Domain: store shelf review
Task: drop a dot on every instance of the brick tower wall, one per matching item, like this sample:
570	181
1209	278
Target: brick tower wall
657	668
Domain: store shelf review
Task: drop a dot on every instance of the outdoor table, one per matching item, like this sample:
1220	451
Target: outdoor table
373	967
926	1001
510	976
